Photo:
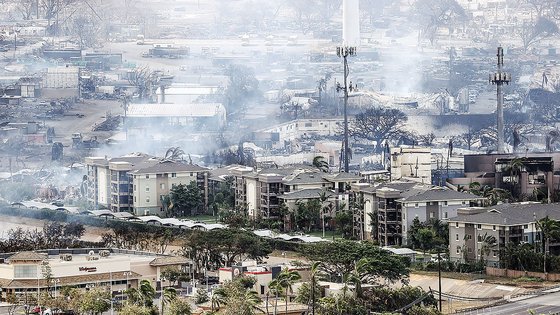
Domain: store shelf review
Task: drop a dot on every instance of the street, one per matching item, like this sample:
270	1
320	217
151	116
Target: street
544	304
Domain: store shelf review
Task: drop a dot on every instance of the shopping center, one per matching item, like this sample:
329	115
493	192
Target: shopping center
25	273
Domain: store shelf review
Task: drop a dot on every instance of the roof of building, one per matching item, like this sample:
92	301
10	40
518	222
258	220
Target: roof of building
306	194
176	110
440	194
303	178
27	256
168	166
169	261
512	214
342	176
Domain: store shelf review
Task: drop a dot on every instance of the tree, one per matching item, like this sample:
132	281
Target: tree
286	279
243	87
307	213
179	307
310	292
320	163
174	154
186	199
201	296
172	274
168	295
85	29
344	222
433	14
532	33
143	295
26	8
234	299
488	243
94	301
144	79
340	257
52	8
550	229
378	124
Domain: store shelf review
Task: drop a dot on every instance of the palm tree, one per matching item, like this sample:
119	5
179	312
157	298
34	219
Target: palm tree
320	163
275	287
515	165
550	229
316	274
286	279
174	154
323	197
167	296
147	292
488	242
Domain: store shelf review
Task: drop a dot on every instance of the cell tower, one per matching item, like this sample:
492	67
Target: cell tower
499	78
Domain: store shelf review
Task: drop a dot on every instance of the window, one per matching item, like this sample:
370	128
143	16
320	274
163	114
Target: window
404	228
173	186
463	202
161	186
526	226
134	198
479	239
493	228
173	174
25	271
416	205
479	226
526	238
147	199
431	215
308	124
148	176
192	174
134	187
470	250
494	253
456	224
456	237
147	188
445	203
445	215
458	250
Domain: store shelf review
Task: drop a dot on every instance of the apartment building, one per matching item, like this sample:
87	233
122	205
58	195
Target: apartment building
262	192
134	183
390	208
507	223
152	182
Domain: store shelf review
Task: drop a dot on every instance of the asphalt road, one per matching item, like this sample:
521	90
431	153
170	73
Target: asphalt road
544	304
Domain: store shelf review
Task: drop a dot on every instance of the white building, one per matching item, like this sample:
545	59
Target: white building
411	163
22	273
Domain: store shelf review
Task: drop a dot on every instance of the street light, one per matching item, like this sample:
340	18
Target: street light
55	281
343	52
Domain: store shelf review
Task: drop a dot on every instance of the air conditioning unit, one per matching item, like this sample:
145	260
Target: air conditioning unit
66	257
104	253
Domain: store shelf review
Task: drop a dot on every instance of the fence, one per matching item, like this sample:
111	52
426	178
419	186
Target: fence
519	273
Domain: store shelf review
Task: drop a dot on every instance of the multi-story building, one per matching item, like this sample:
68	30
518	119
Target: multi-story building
152	182
507	223
390	209
523	175
411	163
261	192
135	183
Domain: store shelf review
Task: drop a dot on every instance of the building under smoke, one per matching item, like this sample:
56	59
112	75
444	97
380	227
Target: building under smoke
203	117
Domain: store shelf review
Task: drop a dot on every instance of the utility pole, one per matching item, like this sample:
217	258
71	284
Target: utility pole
499	78
344	52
